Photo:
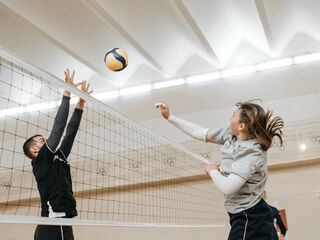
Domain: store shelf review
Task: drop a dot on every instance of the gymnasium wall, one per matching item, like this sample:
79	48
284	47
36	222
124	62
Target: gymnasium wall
289	187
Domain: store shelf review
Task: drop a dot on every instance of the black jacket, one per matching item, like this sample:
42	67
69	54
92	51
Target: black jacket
51	168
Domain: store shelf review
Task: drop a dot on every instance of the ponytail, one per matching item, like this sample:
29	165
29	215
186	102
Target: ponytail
260	124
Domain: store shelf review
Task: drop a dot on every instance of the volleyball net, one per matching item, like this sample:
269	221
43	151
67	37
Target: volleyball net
123	173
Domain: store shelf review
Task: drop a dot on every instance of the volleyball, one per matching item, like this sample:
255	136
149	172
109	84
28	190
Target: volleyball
116	59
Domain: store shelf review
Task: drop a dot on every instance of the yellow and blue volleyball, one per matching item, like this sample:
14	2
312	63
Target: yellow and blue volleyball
116	59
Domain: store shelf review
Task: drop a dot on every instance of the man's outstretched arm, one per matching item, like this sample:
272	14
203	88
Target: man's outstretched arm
59	123
73	124
61	116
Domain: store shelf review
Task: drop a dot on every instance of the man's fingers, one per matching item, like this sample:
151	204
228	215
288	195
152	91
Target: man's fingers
73	72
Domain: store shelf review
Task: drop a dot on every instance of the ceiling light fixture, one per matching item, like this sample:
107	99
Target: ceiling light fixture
135	90
238	71
306	58
203	77
106	95
171	83
275	64
303	147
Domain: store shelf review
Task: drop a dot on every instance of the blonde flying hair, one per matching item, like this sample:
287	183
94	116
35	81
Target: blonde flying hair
260	124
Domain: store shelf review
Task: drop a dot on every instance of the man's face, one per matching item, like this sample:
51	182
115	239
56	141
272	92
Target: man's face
38	142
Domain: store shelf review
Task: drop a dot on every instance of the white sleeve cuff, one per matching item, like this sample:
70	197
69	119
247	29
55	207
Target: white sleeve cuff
227	185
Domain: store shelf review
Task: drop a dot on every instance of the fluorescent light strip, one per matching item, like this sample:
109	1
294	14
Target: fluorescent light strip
40	106
28	108
12	111
238	71
203	77
307	58
171	83
190	80
275	64
106	95
135	90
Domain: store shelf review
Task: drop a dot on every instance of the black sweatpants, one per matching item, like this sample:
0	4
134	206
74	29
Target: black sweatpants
52	232
255	223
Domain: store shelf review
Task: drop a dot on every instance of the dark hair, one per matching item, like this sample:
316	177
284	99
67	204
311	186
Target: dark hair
27	144
259	123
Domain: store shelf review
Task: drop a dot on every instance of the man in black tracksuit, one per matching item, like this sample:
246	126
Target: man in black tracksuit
52	170
277	221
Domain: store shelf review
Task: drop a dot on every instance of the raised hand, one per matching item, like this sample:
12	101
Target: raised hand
69	79
85	87
211	167
164	109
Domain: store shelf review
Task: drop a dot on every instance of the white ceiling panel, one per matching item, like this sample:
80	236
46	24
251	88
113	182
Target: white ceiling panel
169	39
227	24
158	29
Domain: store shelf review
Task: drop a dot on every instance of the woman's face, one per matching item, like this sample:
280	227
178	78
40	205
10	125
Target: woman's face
235	122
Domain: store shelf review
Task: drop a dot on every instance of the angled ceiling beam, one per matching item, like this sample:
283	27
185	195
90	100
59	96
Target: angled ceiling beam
197	31
54	41
72	53
106	18
265	24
